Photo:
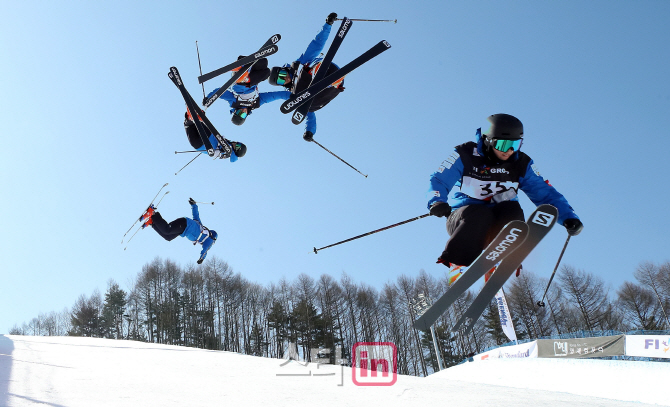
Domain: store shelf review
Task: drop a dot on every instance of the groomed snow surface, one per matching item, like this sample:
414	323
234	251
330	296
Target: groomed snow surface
71	371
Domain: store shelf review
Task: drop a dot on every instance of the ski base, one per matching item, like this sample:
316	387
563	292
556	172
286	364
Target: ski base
510	237
539	223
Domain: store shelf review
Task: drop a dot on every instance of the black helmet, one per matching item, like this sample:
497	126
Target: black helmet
239	148
239	116
278	75
503	127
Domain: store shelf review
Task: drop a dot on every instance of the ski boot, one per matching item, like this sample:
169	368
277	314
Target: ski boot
146	217
455	272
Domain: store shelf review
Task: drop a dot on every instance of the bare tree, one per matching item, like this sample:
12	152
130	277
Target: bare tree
589	294
651	276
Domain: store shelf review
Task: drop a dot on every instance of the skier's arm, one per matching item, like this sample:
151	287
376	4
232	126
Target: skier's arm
316	45
267	97
205	249
227	96
539	191
310	123
442	180
194	209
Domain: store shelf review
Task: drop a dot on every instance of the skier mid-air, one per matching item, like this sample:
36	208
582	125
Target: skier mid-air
244	97
298	75
192	229
487	175
238	149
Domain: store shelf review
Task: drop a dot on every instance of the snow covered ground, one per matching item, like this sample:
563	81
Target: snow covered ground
69	371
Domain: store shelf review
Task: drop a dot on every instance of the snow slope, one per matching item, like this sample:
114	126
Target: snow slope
69	371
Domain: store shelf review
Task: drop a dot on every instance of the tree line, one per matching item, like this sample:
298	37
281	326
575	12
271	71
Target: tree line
213	307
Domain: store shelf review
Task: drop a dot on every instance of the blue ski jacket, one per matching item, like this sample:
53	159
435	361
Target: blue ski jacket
473	181
263	97
197	233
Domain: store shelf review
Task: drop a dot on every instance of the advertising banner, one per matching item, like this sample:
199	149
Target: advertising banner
581	347
505	319
650	346
524	350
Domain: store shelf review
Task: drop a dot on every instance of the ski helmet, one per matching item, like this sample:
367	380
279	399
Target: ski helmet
213	234
239	116
279	74
239	148
504	132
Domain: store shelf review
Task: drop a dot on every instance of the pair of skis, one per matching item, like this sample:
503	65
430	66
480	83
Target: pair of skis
267	49
301	112
199	117
140	218
303	100
510	247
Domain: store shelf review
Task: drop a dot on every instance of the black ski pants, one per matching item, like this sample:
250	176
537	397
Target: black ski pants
168	231
471	228
192	132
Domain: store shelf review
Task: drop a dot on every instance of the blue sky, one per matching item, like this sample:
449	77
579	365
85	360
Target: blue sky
91	122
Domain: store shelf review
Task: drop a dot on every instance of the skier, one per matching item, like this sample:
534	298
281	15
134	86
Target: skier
192	229
245	96
487	175
298	75
238	149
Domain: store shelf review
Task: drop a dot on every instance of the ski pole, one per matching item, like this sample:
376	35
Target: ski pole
187	164
381	21
208	203
200	66
152	201
317	143
541	302
373	232
188	151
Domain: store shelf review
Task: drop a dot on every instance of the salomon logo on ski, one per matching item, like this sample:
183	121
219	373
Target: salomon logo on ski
543	218
298	100
502	247
343	30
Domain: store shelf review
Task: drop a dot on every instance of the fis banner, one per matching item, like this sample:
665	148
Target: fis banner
581	347
505	318
650	346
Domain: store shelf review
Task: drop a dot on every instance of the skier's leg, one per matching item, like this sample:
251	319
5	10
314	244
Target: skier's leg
192	134
504	213
259	72
165	230
467	227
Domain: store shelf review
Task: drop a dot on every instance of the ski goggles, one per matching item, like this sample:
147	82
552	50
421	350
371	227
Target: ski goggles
505	145
240	113
282	76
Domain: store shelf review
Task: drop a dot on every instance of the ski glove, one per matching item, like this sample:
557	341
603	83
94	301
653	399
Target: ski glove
308	136
440	209
574	226
331	18
191	201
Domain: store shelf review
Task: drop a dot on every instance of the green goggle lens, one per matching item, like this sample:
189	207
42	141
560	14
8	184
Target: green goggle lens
281	77
241	114
505	145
